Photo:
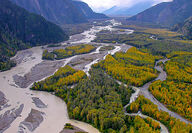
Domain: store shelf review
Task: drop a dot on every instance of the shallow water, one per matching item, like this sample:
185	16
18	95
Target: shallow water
56	114
112	52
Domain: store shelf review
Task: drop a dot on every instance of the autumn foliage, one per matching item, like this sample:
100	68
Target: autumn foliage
140	125
98	101
68	52
176	96
148	108
176	91
133	67
63	77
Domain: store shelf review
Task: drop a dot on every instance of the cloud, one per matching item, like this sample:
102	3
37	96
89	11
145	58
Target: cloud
101	5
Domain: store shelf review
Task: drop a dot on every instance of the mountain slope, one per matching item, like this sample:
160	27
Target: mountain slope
88	12
128	11
58	11
185	28
166	13
20	29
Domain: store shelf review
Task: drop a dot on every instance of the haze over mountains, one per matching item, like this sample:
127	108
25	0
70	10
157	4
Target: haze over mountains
166	13
60	11
128	11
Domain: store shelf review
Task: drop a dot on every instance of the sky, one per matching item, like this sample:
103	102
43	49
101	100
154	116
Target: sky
102	5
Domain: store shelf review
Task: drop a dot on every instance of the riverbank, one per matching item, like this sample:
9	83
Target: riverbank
30	68
16	83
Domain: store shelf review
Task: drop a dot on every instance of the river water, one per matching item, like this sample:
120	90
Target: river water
55	115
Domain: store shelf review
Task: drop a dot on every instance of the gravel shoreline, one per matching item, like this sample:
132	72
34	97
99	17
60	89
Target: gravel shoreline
38	72
8	117
31	68
3	101
47	68
34	119
38	103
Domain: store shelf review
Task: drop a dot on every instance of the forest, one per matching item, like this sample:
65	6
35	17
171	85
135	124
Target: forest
65	76
139	125
176	92
104	48
177	96
20	30
179	68
68	52
48	55
98	101
148	108
157	41
6	65
133	67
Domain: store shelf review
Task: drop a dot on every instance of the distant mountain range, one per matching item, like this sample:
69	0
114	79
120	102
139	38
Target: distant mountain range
166	13
60	11
20	29
128	11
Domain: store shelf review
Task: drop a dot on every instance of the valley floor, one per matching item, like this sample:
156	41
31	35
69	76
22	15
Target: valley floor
24	110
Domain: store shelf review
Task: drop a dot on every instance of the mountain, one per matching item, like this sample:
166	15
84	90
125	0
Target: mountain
60	11
87	11
20	29
112	11
185	28
166	13
128	11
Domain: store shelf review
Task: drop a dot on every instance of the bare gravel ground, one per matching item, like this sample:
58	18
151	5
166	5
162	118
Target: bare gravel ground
3	101
47	68
21	55
38	72
38	103
34	119
30	68
8	117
